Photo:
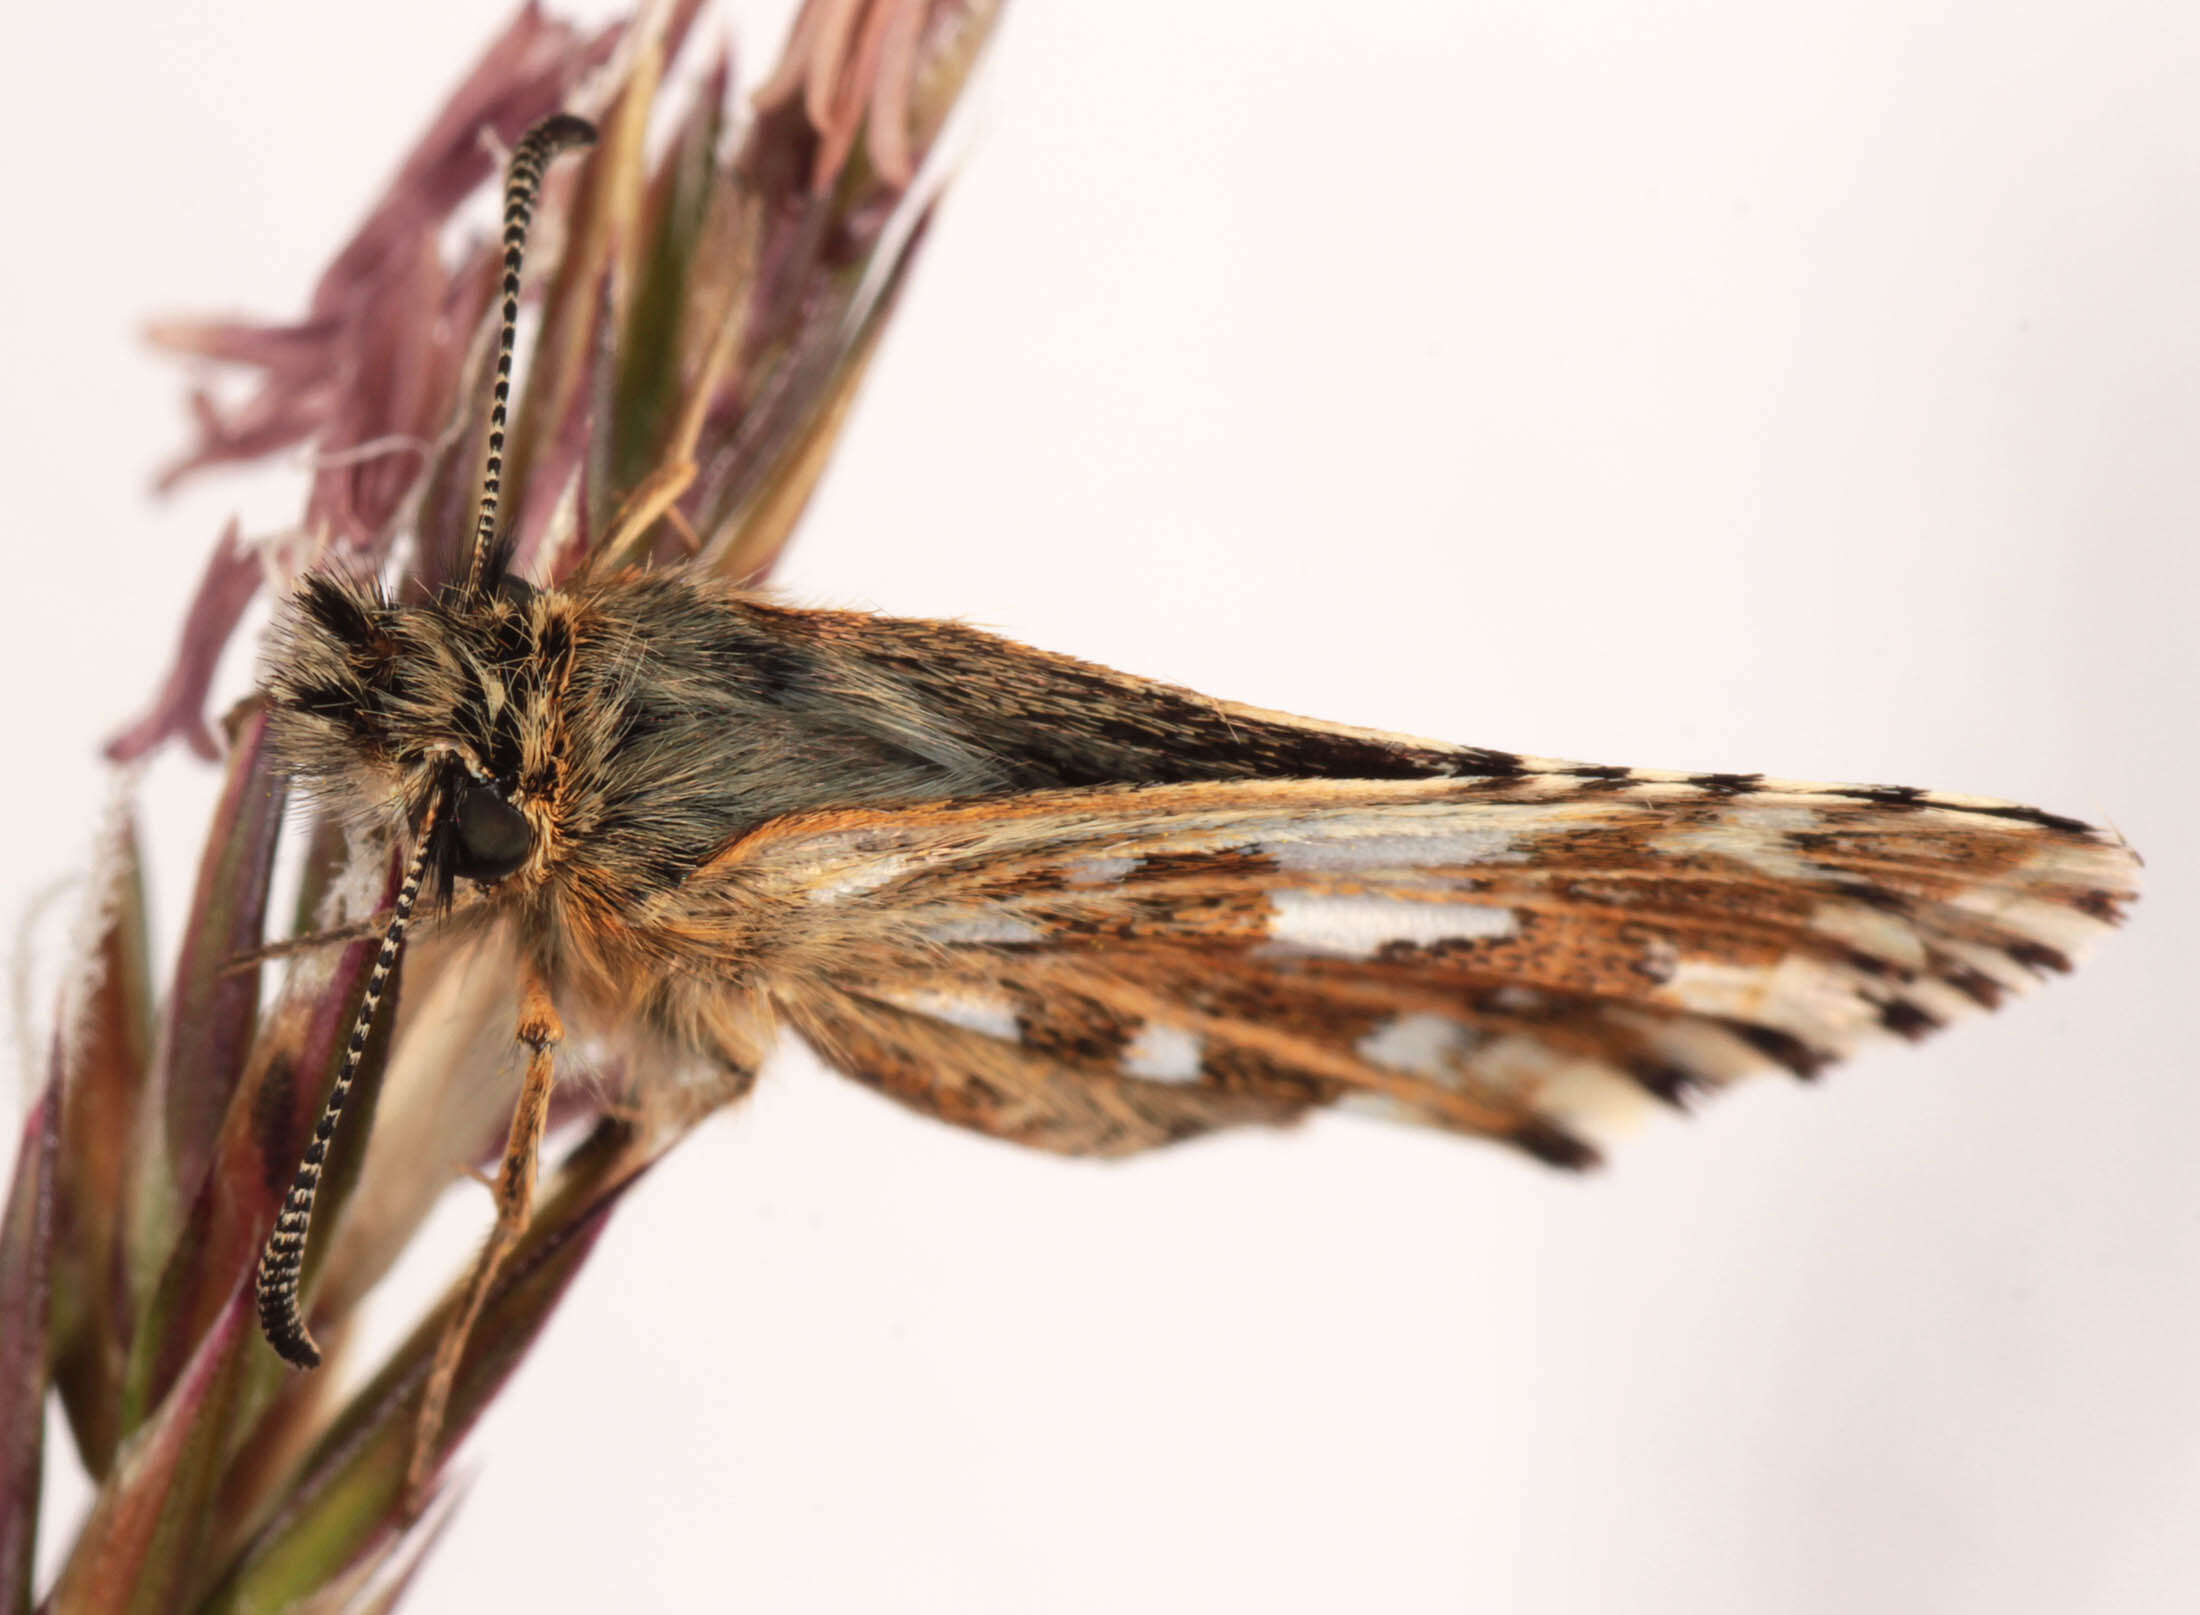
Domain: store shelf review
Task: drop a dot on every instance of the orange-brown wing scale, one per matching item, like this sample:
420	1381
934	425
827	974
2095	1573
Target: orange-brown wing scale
1530	958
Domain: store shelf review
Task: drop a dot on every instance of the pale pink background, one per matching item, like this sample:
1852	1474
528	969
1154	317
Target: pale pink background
1721	385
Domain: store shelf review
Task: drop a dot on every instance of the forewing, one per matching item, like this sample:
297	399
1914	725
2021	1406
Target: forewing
1529	957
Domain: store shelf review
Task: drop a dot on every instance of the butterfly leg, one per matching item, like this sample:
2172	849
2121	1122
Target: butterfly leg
372	926
540	1031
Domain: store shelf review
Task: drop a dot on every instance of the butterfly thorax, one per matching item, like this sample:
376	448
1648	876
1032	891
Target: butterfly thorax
640	726
595	747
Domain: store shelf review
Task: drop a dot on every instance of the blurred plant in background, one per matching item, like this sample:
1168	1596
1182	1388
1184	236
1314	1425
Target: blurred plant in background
707	292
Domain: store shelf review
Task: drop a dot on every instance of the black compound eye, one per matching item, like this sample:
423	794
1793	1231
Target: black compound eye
493	837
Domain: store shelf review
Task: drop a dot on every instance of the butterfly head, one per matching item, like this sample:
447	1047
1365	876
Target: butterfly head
379	710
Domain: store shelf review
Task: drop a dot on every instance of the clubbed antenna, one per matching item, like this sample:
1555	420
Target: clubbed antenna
284	1257
521	181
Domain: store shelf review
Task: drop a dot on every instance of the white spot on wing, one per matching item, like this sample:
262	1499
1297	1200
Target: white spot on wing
1422	1045
983	928
1164	1053
1355	927
854	882
992	1016
1097	871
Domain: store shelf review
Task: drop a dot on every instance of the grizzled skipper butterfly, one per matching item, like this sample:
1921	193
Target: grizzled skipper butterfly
1086	912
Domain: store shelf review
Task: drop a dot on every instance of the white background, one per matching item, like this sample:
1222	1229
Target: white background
1721	385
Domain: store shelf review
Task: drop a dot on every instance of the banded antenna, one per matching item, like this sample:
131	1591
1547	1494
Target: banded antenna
521	183
283	1259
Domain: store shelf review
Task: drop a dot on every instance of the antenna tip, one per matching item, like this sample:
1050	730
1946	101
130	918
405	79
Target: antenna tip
289	1338
562	130
280	1320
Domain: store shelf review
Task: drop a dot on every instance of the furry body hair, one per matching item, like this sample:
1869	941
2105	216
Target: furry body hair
645	723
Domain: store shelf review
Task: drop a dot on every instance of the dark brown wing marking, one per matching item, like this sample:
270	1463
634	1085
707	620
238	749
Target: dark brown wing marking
1528	957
